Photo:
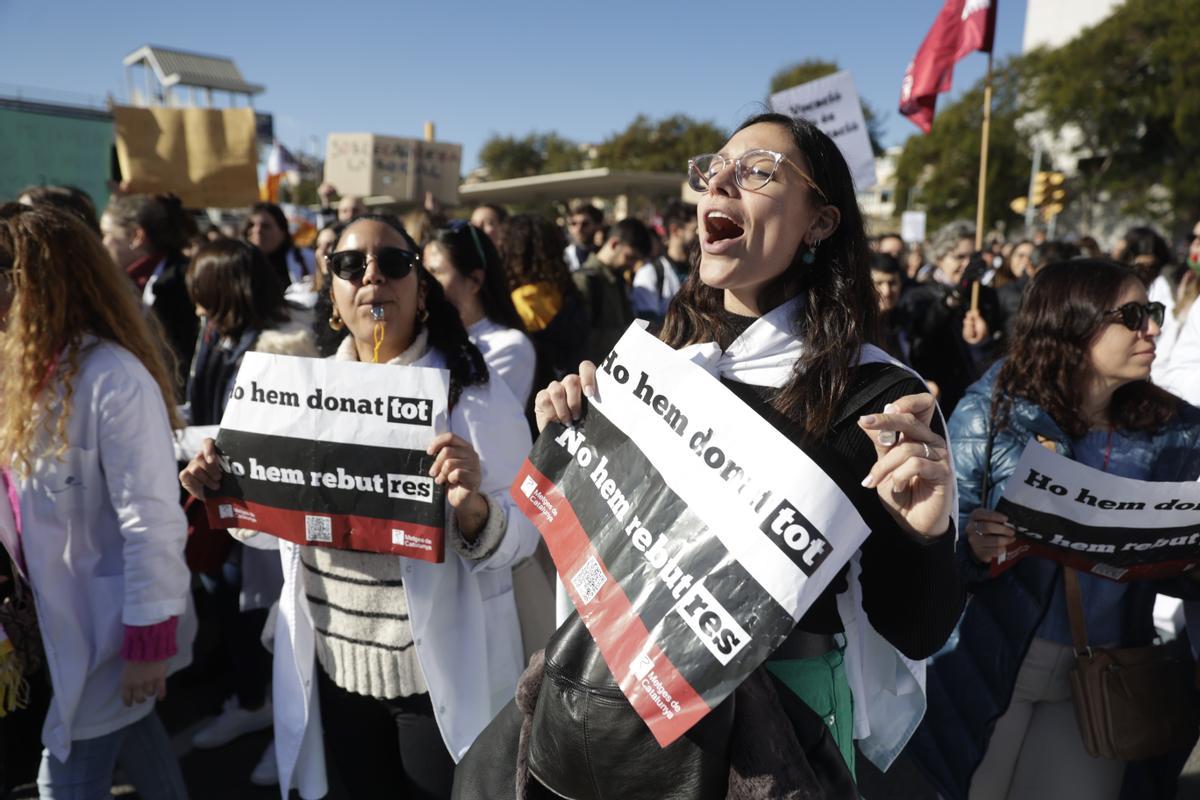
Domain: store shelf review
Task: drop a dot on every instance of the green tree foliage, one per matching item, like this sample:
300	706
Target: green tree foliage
532	154
814	68
1131	87
664	145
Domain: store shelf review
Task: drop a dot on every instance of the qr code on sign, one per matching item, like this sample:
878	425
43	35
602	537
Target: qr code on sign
318	529
588	580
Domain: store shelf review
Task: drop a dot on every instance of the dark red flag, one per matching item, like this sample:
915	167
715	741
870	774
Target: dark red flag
962	27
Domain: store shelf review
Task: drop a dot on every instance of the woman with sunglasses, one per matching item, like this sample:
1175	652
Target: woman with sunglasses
465	262
1075	378
411	658
784	275
93	525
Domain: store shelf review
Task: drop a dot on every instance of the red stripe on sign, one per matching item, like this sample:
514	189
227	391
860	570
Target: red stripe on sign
337	531
662	697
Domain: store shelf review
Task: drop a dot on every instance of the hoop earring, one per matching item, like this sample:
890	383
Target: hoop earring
422	315
336	323
810	255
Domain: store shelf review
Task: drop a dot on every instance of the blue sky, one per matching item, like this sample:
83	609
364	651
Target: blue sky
582	69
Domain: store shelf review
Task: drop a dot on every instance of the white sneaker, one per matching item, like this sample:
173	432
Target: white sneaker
266	771
232	722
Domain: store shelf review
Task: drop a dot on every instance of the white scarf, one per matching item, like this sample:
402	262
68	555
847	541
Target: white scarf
888	688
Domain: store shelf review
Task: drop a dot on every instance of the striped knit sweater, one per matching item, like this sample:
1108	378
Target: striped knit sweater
358	601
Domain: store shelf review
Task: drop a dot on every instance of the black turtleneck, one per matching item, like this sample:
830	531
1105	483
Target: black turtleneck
911	590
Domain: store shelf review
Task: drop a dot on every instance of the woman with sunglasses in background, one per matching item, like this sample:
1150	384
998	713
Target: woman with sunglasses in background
783	289
467	265
1001	722
412	659
85	459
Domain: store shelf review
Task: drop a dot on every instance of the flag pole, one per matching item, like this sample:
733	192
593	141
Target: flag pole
983	158
983	155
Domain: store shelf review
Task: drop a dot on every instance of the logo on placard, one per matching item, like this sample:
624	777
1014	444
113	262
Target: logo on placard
410	410
641	666
528	485
402	538
225	510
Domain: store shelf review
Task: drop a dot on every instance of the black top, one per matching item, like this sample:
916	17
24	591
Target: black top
911	590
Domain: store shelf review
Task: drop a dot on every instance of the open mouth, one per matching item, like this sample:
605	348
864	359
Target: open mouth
720	226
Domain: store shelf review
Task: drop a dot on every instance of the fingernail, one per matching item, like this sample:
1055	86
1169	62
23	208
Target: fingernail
589	391
888	438
868	482
891	408
869	419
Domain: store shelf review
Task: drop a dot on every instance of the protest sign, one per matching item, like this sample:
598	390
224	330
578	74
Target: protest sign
912	227
206	156
405	169
690	534
1118	528
332	453
831	103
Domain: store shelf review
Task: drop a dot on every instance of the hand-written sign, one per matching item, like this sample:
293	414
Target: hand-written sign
831	103
1119	528
405	169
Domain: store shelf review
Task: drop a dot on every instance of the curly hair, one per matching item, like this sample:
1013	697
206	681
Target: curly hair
533	253
446	331
841	310
1048	356
65	286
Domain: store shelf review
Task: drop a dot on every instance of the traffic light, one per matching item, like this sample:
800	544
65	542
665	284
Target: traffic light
1048	189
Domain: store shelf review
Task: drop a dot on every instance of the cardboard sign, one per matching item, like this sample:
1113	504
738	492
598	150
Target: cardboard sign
688	549
207	156
368	164
1118	528
831	103
332	454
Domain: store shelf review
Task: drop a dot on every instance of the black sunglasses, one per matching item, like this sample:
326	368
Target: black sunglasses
394	262
1134	315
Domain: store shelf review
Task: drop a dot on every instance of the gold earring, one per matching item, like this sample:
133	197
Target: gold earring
336	323
423	315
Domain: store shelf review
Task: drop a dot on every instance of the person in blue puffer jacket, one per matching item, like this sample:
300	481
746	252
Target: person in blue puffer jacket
1001	722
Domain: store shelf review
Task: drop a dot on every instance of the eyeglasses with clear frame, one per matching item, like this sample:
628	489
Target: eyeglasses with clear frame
752	170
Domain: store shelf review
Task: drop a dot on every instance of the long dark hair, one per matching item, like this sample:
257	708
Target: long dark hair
446	331
1048	355
236	286
471	250
840	314
533	253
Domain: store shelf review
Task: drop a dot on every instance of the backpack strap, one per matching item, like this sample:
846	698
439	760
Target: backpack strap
857	402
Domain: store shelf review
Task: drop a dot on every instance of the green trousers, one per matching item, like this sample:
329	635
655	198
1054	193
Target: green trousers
821	683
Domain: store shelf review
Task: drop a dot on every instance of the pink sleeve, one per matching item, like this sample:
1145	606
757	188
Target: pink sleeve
150	642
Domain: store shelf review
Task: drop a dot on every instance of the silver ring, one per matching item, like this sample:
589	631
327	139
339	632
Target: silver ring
928	452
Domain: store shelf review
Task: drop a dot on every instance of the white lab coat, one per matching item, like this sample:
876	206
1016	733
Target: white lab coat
103	536
463	616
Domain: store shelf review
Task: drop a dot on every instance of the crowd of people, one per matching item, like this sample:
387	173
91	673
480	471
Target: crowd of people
916	373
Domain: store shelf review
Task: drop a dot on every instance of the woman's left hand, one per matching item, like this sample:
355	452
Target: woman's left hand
913	478
141	680
456	464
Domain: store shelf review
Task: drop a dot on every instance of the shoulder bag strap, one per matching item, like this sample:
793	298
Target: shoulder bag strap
1075	610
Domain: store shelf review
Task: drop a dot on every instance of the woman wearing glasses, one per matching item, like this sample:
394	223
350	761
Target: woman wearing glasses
784	259
1001	721
411	658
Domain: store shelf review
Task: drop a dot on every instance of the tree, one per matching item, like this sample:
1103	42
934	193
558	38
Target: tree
1130	87
532	154
814	68
940	172
659	146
